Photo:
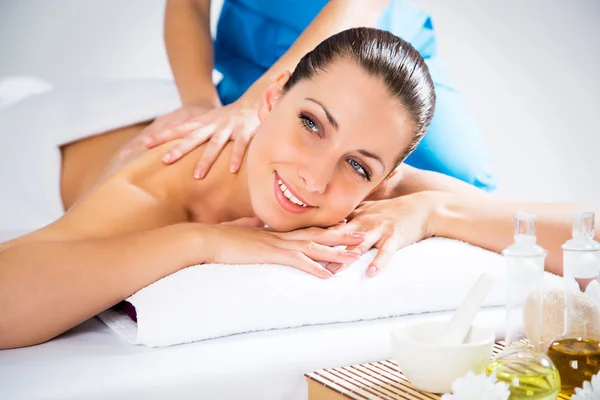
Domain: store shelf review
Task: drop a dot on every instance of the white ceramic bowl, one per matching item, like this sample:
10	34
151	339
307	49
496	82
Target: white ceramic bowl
432	367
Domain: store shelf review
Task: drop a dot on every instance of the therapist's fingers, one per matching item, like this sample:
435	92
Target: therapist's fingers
213	149
188	143
176	132
239	148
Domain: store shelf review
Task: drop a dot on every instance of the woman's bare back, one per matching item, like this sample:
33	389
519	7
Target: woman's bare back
106	194
86	161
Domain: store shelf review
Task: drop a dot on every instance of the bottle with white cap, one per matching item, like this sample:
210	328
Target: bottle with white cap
576	353
523	365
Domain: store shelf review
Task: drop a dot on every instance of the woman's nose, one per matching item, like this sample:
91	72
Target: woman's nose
316	175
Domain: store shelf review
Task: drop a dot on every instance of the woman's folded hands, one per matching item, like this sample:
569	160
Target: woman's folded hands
304	249
390	225
387	225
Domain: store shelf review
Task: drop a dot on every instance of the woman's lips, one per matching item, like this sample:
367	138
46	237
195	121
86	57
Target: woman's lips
286	203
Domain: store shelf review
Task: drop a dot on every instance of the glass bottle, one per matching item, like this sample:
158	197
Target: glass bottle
576	353
523	365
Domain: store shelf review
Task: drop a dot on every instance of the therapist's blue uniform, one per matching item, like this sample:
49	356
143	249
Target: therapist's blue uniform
253	34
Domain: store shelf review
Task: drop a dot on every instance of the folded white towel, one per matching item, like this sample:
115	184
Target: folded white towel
210	301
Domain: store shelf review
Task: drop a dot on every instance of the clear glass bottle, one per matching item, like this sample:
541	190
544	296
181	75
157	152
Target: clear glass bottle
576	353
523	365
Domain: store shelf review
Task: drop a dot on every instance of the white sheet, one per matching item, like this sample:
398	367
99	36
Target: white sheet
91	362
36	119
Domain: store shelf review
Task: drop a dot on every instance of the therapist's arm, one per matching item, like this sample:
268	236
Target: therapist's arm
489	222
336	16
190	50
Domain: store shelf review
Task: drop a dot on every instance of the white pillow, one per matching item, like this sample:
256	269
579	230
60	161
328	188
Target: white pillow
209	301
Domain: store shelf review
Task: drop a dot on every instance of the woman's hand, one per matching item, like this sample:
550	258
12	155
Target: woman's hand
164	123
390	225
237	121
303	249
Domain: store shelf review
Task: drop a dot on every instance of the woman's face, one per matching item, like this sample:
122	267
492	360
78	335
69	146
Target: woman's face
323	147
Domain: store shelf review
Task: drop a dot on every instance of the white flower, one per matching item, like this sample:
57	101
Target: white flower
478	387
590	391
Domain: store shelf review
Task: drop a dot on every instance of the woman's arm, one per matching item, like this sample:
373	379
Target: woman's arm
336	16
408	180
489	222
190	50
48	287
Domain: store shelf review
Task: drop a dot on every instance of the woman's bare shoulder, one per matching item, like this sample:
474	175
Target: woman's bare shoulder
115	206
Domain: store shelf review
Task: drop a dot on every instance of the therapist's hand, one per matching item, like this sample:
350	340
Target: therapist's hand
163	124
390	225
237	121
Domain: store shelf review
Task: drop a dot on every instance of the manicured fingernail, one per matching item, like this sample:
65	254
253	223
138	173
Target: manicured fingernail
372	271
199	173
353	253
333	267
358	234
167	157
233	168
327	274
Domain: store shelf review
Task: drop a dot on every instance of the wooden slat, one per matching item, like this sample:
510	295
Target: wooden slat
381	380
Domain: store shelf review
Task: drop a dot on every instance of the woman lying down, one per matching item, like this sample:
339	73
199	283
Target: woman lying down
333	134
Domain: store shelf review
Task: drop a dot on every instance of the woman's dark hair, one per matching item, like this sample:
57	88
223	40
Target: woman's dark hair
385	56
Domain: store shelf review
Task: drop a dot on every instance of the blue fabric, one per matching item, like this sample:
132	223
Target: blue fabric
254	34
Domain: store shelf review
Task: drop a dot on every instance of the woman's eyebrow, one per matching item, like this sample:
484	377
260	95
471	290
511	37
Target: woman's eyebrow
373	156
332	120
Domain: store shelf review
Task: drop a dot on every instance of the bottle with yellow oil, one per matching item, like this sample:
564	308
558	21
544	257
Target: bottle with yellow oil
523	365
576	353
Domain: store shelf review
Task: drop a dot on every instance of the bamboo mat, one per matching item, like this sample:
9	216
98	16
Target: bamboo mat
381	380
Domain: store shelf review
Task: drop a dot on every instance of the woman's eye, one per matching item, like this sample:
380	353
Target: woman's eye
308	123
360	169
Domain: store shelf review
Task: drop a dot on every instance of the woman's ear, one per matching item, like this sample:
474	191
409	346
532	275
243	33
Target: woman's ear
271	95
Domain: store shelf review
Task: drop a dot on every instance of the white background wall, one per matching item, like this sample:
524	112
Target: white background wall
529	68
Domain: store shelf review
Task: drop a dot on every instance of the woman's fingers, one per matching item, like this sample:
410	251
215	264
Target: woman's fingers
212	151
327	237
384	254
239	149
189	143
321	253
302	262
334	268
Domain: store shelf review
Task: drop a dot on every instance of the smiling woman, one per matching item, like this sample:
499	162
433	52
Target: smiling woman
330	139
330	134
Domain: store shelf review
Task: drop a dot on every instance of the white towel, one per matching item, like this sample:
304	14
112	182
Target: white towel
209	301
